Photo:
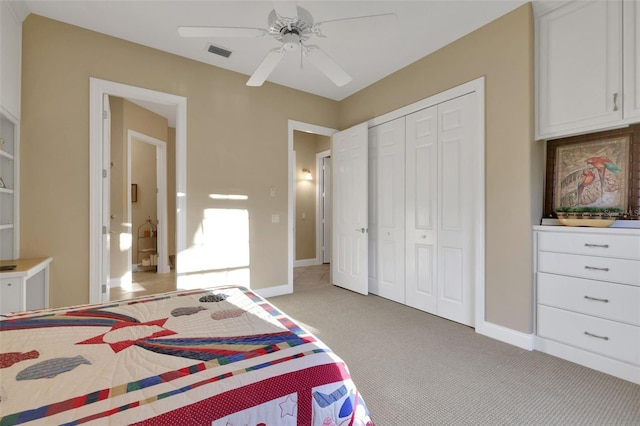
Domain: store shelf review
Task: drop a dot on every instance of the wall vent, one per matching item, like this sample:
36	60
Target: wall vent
217	50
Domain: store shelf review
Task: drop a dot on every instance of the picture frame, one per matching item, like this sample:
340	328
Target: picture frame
596	172
134	192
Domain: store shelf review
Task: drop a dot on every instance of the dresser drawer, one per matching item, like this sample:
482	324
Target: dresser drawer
604	337
591	267
616	302
620	246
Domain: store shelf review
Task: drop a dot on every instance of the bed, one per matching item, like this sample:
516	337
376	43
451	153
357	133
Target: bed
219	356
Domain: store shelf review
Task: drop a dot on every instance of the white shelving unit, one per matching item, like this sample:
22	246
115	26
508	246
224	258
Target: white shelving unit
9	201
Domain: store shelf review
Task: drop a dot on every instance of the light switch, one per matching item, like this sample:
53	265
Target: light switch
272	191
275	218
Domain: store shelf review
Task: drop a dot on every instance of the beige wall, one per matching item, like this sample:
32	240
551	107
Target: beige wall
502	51
225	154
234	135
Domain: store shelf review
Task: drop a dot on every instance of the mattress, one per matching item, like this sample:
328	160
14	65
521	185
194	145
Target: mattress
219	356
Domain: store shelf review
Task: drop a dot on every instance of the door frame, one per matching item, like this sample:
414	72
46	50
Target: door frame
320	186
294	125
97	89
161	204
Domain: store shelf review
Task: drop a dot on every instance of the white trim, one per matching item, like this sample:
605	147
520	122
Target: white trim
507	335
97	89
320	156
162	214
476	85
588	359
302	127
274	291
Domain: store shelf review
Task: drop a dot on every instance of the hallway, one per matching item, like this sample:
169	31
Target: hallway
146	283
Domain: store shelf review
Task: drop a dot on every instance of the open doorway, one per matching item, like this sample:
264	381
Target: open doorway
100	202
310	193
295	174
151	226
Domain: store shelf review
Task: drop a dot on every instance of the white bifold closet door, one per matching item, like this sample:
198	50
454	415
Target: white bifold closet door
386	210
440	152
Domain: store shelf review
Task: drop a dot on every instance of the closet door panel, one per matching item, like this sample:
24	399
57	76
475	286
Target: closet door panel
373	211
421	202
390	209
456	147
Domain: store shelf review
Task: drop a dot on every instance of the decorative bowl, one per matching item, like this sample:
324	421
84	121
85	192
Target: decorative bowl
591	219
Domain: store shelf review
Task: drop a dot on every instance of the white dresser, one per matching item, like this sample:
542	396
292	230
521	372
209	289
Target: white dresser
588	297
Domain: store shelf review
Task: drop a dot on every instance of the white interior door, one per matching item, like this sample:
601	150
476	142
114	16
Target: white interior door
386	210
457	136
106	199
421	209
326	210
349	210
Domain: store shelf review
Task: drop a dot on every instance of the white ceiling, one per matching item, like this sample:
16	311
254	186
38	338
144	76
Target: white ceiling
423	26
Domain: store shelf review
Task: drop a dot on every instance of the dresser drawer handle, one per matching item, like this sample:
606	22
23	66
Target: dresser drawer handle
596	299
594	268
596	336
596	245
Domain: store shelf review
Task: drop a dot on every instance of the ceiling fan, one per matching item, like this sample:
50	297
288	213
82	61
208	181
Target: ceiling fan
292	26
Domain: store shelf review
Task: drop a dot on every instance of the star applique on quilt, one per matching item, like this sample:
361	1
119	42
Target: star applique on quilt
124	334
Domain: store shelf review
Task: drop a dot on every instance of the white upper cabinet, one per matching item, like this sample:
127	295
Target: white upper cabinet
10	59
587	66
631	56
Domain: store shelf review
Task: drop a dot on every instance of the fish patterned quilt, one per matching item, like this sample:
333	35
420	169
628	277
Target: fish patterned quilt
220	356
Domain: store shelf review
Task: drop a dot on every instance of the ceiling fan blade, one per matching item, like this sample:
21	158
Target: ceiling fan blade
221	32
267	65
358	24
286	9
328	66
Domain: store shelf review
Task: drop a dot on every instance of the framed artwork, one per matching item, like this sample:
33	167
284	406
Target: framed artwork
596	172
134	192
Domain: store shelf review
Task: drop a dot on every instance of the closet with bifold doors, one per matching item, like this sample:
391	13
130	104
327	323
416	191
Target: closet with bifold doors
423	170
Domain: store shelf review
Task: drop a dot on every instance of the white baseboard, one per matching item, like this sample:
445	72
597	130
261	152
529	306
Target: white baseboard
305	262
507	335
279	290
610	366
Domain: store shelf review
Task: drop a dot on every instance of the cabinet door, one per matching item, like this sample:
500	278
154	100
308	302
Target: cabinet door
387	210
579	68
11	295
631	13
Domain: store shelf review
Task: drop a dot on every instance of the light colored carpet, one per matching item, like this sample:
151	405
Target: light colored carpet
414	368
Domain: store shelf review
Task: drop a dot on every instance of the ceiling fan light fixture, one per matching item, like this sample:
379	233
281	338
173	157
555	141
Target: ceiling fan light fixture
291	41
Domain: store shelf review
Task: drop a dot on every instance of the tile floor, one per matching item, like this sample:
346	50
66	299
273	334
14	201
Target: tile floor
145	283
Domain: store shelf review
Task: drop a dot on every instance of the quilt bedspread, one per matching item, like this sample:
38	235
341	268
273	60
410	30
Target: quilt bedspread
219	356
